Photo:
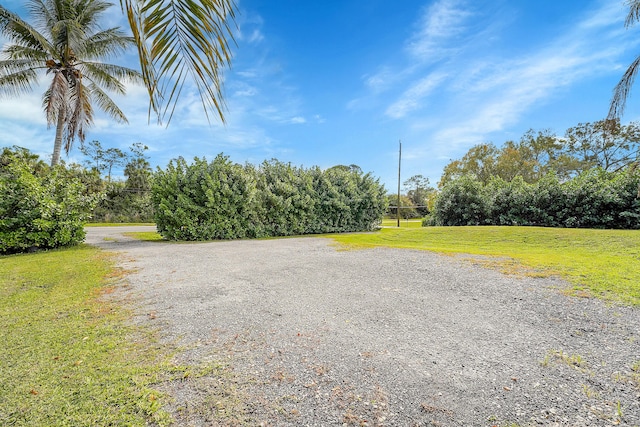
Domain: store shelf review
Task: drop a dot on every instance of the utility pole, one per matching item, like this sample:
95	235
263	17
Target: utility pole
399	164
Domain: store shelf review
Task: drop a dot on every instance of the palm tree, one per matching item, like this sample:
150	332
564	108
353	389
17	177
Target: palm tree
623	88
66	44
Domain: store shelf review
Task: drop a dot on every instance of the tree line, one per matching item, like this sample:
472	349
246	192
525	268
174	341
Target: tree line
605	144
590	177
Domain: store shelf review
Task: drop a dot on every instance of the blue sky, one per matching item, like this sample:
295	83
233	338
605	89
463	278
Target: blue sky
342	81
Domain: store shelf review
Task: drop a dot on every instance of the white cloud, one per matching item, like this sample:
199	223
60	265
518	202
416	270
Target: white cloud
507	90
442	21
26	109
255	37
297	120
248	74
412	97
381	80
249	28
609	12
242	89
37	139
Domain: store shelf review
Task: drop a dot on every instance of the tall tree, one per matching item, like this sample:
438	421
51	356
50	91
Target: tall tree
605	143
479	161
534	156
623	88
67	44
95	155
419	191
138	170
114	157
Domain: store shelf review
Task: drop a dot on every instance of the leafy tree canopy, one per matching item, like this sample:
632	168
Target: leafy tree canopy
606	144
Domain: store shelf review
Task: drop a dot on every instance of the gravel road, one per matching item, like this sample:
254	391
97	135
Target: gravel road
305	334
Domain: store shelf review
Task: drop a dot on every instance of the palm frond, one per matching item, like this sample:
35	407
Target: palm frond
44	13
19	53
86	12
106	44
18	82
68	36
109	76
80	114
634	12
189	41
149	75
55	99
106	104
14	65
19	31
622	91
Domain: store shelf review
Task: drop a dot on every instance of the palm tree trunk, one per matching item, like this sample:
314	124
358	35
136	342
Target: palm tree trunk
57	144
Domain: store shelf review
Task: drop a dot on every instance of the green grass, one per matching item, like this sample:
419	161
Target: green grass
602	263
404	223
116	224
145	236
69	356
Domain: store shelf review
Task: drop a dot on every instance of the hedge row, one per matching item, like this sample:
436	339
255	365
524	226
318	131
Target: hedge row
594	199
224	200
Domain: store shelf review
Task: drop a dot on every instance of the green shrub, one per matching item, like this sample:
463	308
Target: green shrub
462	202
593	199
41	209
285	199
204	201
223	200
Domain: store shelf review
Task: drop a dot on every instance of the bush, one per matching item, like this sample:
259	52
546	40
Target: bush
285	201
594	199
41	209
204	201
223	200
462	202
346	200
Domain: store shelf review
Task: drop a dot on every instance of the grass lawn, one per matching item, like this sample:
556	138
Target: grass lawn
146	236
411	223
602	263
69	355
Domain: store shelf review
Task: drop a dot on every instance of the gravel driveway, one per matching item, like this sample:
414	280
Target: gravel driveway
302	333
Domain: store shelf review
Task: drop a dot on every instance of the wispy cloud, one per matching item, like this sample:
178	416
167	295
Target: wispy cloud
382	80
249	28
439	34
443	21
412	98
477	95
505	91
242	89
297	120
